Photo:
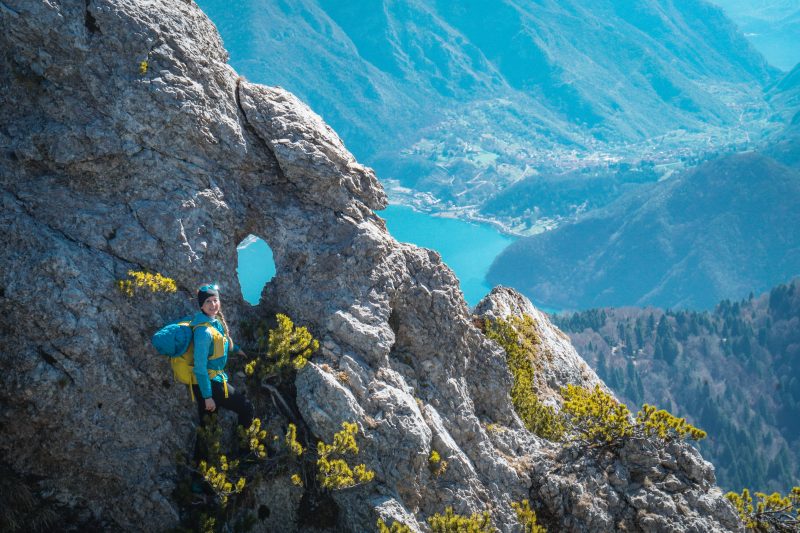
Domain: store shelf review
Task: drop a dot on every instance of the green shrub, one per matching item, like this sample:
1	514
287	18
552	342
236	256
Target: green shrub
397	527
771	513
139	281
281	350
449	522
333	471
518	338
290	440
216	470
436	464
527	517
665	426
219	474
592	417
254	438
595	418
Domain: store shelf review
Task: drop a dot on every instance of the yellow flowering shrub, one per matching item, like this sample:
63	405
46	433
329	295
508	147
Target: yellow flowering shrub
527	517
396	527
770	513
281	350
595	418
666	426
138	281
436	464
518	338
333	471
143	67
254	438
449	522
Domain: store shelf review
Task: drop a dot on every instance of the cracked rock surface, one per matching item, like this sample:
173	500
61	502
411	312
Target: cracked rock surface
128	143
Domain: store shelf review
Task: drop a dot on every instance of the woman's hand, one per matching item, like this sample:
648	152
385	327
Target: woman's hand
210	405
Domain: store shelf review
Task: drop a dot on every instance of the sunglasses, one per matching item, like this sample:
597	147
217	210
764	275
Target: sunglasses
206	288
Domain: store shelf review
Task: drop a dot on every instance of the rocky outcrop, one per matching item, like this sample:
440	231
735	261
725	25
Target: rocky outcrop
641	487
129	143
558	362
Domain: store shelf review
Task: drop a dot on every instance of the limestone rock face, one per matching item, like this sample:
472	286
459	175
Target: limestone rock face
559	362
127	144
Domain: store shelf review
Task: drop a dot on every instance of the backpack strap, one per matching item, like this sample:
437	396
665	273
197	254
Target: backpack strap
213	373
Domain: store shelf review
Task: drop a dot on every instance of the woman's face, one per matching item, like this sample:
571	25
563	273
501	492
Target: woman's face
211	306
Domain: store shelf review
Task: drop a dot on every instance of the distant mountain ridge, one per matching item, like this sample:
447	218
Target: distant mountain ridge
459	99
719	231
773	26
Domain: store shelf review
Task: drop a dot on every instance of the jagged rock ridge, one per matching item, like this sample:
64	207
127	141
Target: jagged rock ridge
129	143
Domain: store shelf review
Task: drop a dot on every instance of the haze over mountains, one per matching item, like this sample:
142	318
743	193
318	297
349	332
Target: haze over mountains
461	99
720	230
773	26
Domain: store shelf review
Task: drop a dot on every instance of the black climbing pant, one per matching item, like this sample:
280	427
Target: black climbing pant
236	402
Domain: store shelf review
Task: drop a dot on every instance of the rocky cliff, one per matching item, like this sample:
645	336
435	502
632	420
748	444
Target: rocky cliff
128	143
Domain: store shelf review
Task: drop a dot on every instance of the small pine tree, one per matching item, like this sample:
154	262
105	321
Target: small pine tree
396	527
145	281
449	522
771	513
594	418
333	471
281	350
527	517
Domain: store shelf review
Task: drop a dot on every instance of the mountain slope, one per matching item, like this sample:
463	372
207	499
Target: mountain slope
735	371
784	96
460	98
719	231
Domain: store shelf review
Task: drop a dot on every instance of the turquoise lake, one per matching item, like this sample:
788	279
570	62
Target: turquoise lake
468	248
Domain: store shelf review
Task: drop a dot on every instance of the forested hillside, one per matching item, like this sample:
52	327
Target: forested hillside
735	371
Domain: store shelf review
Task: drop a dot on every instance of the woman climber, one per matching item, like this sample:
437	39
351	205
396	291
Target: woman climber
212	343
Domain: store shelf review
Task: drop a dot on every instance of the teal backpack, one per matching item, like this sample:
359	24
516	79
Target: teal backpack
173	339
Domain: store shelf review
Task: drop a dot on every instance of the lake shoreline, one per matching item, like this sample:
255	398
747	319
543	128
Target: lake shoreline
429	205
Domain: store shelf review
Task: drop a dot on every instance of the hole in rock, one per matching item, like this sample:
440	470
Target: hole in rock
256	267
